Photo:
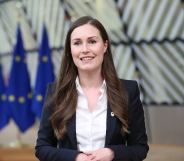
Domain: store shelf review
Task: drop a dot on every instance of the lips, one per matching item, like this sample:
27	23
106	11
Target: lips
86	59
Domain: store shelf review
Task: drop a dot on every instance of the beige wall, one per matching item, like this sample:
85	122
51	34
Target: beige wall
166	124
10	135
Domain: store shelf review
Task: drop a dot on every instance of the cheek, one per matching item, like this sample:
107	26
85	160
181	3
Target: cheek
74	52
101	49
102	56
101	52
75	55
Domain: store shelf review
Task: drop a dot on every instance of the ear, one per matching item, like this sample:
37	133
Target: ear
105	46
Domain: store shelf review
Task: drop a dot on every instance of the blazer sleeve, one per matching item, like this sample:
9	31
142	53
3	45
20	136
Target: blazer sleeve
46	145
136	147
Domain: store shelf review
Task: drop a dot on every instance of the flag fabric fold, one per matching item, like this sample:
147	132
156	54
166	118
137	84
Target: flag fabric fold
19	90
4	115
44	74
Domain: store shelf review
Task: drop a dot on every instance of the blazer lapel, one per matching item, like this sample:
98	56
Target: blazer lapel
72	131
111	122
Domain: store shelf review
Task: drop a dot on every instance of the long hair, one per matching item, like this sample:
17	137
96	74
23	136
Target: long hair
65	97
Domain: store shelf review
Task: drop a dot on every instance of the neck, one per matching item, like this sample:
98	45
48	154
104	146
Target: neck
90	80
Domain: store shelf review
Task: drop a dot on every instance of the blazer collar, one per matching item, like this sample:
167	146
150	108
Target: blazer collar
110	126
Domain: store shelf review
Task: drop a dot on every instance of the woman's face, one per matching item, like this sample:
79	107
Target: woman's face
87	48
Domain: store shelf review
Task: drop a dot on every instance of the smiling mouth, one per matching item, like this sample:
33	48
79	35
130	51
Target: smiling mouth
86	59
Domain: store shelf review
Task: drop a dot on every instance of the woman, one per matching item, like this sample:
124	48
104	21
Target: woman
90	114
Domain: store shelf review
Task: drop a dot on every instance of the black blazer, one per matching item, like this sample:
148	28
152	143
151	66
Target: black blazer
132	147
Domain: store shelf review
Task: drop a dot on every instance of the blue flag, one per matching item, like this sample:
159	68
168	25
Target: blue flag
4	116
19	90
44	75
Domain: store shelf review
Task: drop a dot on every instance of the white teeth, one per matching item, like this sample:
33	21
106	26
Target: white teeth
86	58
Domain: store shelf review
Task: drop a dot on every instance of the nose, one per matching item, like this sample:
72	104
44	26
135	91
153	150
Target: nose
85	48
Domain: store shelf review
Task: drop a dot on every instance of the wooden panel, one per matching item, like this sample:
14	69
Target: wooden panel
17	154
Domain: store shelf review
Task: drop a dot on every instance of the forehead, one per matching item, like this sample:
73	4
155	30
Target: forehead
84	31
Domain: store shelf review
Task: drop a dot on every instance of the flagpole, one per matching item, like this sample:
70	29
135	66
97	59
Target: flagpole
18	141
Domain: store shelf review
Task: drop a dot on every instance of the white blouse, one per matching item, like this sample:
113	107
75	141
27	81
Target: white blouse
91	126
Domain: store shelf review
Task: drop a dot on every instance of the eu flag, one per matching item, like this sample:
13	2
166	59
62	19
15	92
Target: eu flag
44	75
19	89
4	117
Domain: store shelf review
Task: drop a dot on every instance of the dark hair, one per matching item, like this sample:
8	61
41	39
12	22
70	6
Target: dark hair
65	97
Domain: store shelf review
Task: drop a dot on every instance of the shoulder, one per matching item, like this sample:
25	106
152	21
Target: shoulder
131	86
51	87
132	89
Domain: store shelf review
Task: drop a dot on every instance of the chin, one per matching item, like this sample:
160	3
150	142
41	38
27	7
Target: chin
89	69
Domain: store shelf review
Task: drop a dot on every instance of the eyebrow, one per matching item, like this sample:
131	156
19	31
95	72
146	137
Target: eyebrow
91	37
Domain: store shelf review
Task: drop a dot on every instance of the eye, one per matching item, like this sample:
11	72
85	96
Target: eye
76	43
92	41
